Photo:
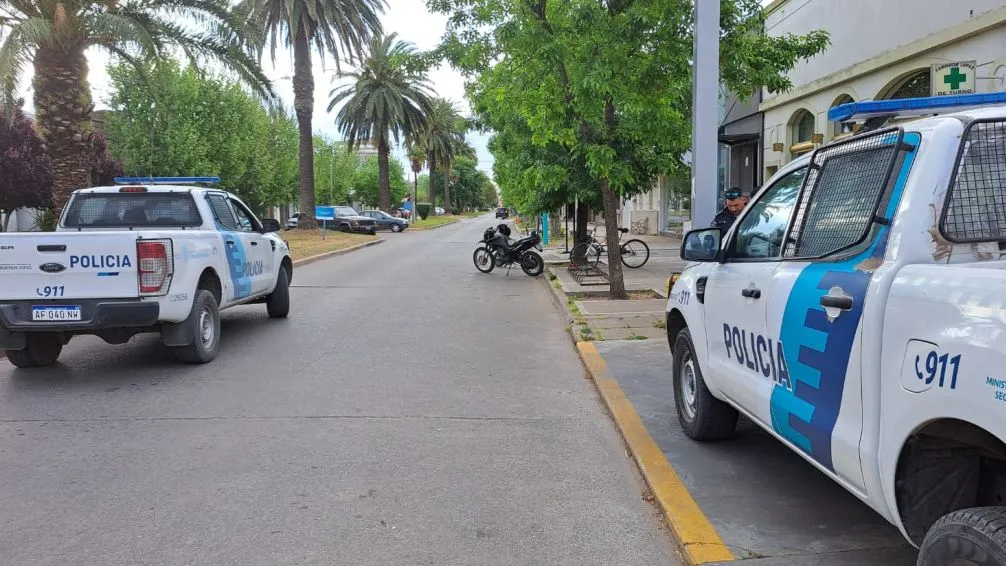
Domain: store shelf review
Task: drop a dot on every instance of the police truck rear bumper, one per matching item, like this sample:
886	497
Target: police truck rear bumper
95	314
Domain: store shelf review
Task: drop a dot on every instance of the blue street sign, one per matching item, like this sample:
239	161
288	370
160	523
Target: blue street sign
324	213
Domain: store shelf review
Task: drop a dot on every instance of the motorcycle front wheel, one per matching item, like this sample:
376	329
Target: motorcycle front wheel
484	260
532	264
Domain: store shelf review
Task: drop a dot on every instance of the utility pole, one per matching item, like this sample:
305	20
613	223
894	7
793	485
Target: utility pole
705	112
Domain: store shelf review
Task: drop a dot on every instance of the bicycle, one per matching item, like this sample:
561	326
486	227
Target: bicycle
635	253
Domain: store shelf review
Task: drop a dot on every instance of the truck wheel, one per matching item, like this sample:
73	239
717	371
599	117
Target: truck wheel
975	536
702	416
204	325
43	349
277	304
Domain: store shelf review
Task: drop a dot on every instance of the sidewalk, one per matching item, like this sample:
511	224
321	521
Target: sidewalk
767	505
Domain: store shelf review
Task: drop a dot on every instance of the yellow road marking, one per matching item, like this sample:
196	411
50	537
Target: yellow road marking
699	541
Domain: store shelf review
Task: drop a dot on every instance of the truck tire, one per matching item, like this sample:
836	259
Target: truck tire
702	416
204	325
277	304
975	536
43	349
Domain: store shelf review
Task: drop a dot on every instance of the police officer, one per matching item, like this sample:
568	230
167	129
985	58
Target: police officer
736	201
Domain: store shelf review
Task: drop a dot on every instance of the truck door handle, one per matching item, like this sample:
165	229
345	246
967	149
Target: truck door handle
751	293
230	243
840	302
254	243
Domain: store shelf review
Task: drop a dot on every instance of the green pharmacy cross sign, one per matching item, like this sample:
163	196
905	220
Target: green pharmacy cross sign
953	78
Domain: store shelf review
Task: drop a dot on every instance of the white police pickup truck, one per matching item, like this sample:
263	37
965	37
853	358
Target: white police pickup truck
149	255
856	310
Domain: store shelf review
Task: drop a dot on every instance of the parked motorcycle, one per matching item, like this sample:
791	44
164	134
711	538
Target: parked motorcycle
496	250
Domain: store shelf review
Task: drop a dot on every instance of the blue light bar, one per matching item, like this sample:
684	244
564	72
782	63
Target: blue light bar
914	106
165	180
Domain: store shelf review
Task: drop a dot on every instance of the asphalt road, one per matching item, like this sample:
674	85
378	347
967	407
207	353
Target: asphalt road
410	411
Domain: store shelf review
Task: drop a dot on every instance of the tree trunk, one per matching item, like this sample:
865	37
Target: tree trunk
447	191
582	212
429	188
616	284
63	112
383	182
303	103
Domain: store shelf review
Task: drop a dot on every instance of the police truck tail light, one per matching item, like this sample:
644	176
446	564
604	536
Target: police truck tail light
155	266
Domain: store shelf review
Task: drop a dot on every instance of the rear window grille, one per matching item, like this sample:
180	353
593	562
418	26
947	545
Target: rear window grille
843	190
125	210
975	210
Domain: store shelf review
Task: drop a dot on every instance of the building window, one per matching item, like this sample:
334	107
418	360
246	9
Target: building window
916	85
802	132
841	129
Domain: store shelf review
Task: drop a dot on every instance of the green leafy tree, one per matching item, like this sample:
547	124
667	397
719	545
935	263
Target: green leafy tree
334	170
388	100
173	121
605	81
53	37
367	182
339	28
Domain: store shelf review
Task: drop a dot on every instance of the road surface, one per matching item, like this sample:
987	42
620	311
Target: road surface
410	411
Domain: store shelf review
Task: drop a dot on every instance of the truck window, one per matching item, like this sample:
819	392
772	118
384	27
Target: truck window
222	212
976	205
244	217
760	233
843	190
124	210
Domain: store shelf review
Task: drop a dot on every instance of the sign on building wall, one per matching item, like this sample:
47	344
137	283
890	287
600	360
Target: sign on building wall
953	78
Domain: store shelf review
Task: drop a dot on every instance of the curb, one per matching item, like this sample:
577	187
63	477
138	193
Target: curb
333	253
437	227
559	300
697	539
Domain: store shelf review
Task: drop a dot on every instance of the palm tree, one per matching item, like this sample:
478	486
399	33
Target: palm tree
444	140
54	35
335	27
417	159
387	97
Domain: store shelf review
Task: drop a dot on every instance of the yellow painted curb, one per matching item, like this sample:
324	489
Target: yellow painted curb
699	541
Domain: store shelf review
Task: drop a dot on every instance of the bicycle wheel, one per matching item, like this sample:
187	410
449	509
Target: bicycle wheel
635	253
584	255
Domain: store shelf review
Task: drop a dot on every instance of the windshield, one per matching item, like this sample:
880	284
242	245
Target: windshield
123	210
345	211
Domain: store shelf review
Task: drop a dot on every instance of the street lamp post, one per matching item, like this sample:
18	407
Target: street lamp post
705	118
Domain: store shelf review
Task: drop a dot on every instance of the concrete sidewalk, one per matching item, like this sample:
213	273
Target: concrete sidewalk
769	506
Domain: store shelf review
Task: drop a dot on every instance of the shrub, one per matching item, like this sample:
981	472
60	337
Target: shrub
423	209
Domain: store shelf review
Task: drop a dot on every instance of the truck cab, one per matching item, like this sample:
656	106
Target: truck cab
854	310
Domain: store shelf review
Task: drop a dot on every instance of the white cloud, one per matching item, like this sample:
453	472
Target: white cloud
408	18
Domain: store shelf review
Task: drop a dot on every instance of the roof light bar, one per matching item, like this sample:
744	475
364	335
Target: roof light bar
165	180
914	106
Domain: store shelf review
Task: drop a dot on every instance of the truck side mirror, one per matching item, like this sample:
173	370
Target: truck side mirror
270	225
702	244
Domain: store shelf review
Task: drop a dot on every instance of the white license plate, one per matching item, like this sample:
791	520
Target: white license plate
47	314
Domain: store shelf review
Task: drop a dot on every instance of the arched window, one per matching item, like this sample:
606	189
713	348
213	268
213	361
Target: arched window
801	132
916	84
840	129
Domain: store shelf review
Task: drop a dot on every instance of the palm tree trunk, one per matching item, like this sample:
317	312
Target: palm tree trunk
383	181
303	103
429	188
63	110
447	190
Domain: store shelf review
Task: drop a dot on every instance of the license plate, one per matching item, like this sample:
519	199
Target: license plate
52	314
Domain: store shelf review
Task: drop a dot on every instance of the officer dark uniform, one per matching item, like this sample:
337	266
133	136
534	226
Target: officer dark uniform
724	219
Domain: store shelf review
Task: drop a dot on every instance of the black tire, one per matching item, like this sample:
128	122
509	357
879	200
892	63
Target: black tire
345	228
483	259
373	232
396	228
975	536
277	304
584	255
635	253
532	264
204	323
43	349
702	416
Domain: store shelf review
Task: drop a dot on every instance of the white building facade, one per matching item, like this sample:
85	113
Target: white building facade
879	50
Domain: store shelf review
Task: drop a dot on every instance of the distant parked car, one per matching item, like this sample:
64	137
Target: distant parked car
294	220
347	220
438	211
502	212
386	221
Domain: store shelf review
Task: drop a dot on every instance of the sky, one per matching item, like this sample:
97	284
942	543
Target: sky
408	18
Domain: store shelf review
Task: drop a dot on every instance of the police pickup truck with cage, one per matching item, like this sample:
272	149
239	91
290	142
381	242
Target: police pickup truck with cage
856	310
155	254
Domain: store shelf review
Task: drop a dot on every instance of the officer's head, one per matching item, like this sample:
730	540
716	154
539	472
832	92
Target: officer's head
736	200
